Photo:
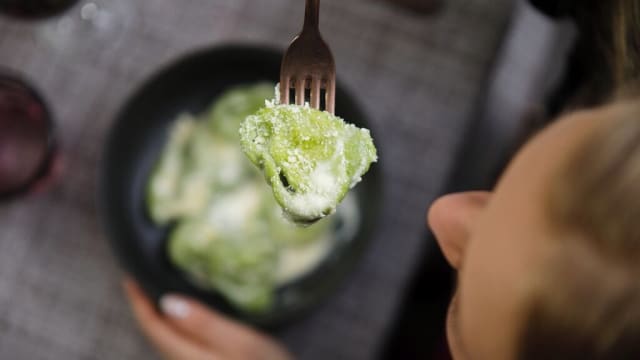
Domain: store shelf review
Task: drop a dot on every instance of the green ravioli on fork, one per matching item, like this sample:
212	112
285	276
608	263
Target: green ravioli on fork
310	158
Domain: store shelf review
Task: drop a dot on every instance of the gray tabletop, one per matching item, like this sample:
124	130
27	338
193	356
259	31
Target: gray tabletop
418	77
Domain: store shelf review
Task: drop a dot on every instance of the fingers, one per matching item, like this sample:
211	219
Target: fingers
211	328
201	323
189	330
171	343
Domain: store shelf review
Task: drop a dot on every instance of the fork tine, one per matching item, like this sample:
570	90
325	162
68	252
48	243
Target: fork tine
300	87
309	64
285	82
330	96
315	92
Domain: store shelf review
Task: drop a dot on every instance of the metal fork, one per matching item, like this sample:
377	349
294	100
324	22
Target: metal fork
308	64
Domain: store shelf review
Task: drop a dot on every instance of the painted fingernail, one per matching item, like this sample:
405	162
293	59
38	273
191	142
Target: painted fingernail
174	306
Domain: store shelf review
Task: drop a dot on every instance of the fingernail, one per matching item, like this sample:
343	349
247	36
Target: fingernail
174	306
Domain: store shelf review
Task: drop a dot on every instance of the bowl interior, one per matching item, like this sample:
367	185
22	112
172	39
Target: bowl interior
135	142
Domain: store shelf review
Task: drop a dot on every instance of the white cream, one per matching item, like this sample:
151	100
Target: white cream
235	209
297	261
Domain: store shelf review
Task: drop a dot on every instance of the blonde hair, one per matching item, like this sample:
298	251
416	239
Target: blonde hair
586	304
608	54
625	56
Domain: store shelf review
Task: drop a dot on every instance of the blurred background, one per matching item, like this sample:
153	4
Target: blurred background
450	88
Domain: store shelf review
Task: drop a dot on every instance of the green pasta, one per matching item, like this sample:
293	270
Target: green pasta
310	158
226	230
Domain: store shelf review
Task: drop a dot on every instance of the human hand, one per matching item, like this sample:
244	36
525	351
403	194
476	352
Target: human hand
187	330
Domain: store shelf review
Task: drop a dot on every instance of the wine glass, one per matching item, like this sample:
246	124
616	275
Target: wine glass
28	155
34	9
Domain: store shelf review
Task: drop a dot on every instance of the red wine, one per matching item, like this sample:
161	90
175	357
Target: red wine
25	137
33	9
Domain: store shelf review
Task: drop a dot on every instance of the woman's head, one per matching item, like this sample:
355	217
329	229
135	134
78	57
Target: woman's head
588	301
548	263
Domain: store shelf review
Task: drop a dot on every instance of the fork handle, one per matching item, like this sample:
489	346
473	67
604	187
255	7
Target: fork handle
312	16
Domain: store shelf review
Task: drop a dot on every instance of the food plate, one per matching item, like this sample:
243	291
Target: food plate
134	144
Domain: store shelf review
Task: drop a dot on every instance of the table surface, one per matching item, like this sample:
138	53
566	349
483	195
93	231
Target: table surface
418	77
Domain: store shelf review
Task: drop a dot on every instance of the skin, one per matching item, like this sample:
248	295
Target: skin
495	241
186	329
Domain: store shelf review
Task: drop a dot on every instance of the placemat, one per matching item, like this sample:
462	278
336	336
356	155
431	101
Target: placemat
418	78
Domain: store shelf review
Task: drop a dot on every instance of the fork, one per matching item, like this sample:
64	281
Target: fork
308	65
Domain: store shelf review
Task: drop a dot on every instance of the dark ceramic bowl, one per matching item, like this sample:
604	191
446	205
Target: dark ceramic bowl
134	144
